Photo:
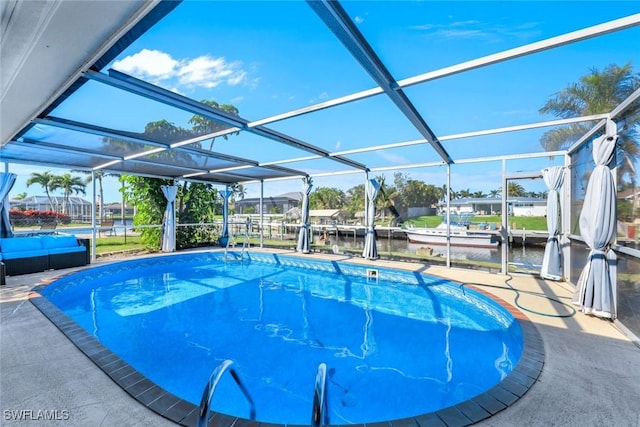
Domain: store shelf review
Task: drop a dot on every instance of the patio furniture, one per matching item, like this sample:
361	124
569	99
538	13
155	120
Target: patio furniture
24	255
107	227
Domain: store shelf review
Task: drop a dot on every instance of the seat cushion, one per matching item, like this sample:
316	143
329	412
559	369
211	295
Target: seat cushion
67	250
59	241
18	244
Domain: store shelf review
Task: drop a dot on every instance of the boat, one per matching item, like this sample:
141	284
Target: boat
460	235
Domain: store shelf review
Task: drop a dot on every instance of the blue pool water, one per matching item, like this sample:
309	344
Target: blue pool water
399	346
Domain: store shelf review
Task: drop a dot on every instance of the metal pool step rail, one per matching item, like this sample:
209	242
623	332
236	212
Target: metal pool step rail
245	246
319	413
210	388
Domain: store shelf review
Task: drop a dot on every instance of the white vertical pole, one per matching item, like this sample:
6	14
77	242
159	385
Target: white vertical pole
93	217
565	219
448	216
175	225
262	213
505	219
366	200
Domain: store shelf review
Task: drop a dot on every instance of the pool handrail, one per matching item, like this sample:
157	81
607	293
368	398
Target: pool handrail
210	388
319	414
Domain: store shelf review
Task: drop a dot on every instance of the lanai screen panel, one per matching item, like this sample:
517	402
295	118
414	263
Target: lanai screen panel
363	123
76	140
50	156
247	69
106	106
419	37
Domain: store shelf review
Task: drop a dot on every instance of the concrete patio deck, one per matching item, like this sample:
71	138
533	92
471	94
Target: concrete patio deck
591	375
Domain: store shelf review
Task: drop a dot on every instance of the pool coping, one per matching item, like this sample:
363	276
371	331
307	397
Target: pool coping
504	394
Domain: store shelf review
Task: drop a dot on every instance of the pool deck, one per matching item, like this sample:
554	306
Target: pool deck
591	374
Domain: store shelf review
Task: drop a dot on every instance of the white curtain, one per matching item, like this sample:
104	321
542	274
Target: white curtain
224	236
596	288
552	260
6	183
370	250
303	237
169	223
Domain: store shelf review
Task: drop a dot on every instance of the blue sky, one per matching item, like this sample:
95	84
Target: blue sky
268	58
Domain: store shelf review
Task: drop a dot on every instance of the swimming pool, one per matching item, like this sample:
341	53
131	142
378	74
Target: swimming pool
398	346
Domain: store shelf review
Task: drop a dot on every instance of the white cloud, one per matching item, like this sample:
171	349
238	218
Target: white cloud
207	71
203	71
358	19
477	29
338	145
148	64
392	158
324	95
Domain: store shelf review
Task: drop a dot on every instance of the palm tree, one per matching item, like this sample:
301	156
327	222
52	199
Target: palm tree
46	180
515	190
466	193
386	198
596	93
327	198
238	192
495	193
99	175
69	185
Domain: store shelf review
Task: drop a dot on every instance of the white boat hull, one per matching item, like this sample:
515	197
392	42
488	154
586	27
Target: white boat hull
435	236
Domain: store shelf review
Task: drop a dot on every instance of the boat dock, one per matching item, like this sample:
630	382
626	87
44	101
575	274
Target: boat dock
282	229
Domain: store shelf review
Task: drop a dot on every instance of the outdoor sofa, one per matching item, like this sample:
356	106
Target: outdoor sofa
24	255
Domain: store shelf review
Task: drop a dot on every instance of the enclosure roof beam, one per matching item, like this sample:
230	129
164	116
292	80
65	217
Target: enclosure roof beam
337	20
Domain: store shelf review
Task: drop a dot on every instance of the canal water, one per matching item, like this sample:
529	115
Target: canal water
528	257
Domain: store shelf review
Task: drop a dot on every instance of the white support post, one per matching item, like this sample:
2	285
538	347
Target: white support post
565	220
505	220
448	216
93	217
262	213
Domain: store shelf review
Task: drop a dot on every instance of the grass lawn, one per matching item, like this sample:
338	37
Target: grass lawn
518	222
118	244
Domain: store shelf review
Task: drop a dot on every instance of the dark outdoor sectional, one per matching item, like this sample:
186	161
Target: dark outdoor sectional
24	255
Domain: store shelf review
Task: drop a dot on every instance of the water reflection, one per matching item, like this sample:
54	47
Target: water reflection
529	256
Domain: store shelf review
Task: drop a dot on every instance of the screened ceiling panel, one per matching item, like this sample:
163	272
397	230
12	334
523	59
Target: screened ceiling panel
508	86
187	159
402	156
512	143
323	165
363	123
406	34
85	141
33	153
249	42
248	174
247	144
106	106
315	87
139	167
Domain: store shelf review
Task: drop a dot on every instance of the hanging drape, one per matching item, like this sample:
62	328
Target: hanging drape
303	237
552	260
596	288
224	236
6	184
169	222
370	250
